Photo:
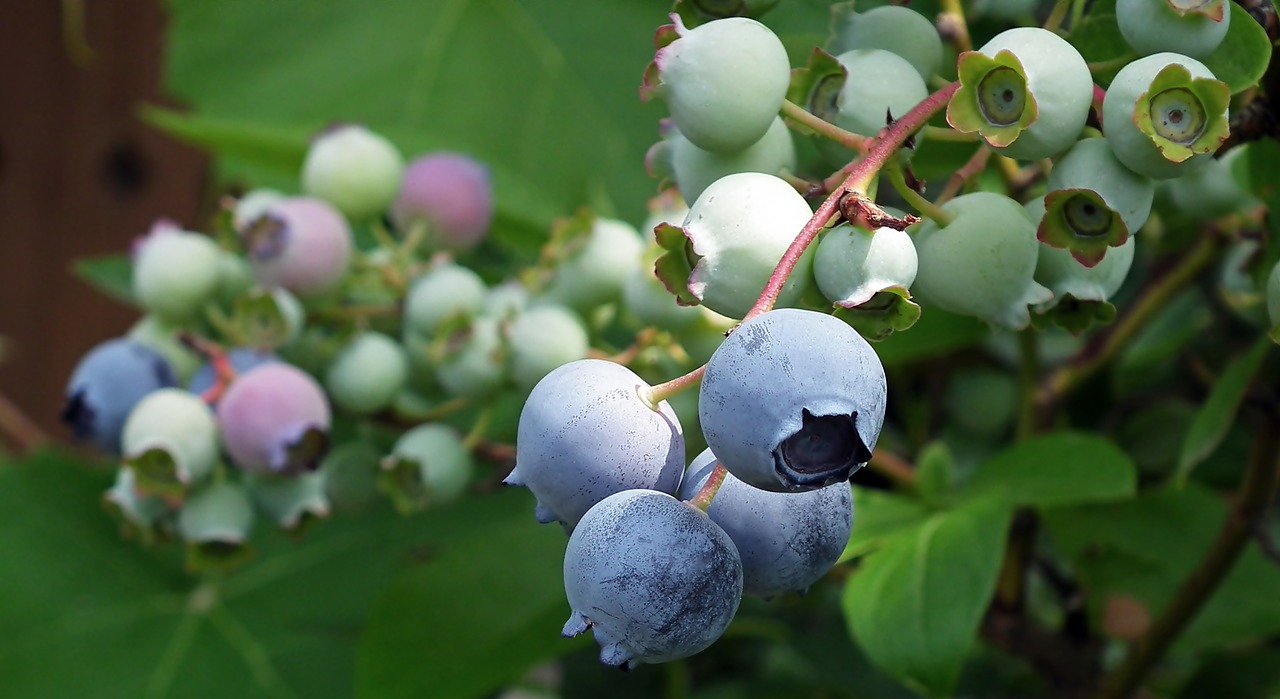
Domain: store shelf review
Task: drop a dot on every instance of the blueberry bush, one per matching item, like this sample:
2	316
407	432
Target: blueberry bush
769	348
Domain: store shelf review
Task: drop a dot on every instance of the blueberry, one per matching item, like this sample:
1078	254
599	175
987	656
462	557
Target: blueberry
542	338
793	400
901	30
175	272
1191	28
451	194
275	418
446	290
653	577
1165	115
180	424
367	374
354	169
300	243
787	541
724	81
105	386
585	433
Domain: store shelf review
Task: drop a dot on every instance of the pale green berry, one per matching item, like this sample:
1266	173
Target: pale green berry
354	169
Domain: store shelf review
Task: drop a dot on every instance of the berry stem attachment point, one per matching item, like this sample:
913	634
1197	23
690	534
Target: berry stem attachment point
707	493
802	116
860	175
656	394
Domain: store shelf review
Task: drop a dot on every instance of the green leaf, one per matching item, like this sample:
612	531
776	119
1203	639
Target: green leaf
1055	469
935	471
89	614
435	632
1243	56
110	274
533	89
935	334
1098	39
878	514
1215	417
1146	547
914	605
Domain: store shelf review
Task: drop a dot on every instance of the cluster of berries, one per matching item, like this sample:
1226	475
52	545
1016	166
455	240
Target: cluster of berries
352	300
794	399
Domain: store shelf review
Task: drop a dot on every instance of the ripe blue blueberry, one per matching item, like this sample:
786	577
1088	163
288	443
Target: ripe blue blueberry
586	432
787	541
793	400
654	578
106	385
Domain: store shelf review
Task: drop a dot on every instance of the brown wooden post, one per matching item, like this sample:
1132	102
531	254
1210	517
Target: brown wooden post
80	175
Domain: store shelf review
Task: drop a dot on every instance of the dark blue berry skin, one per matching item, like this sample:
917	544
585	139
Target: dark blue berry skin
105	386
787	541
242	360
793	400
654	578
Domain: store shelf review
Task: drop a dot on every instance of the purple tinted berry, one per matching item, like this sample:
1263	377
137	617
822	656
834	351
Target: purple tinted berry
300	243
787	541
450	193
653	577
275	418
586	433
105	386
243	360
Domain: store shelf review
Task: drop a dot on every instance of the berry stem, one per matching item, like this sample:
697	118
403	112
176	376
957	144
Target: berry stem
666	389
860	174
893	467
972	167
1059	12
1028	376
223	372
953	16
1250	506
707	493
802	116
478	428
917	200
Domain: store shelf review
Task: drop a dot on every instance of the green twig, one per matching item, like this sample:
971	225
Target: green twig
917	200
821	126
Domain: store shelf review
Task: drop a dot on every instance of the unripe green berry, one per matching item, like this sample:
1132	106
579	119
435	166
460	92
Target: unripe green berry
354	169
